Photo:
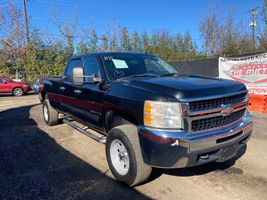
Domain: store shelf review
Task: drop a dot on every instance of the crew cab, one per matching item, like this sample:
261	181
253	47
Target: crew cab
8	86
147	114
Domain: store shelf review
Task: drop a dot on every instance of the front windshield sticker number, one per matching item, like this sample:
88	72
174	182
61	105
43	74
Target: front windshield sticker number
106	58
120	64
118	74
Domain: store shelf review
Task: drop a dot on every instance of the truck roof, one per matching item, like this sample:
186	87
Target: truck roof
108	53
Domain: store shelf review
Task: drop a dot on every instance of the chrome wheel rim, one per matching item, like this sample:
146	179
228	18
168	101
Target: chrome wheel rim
18	92
45	111
119	157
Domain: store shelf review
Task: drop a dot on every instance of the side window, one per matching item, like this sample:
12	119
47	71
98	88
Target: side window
90	67
71	65
1	80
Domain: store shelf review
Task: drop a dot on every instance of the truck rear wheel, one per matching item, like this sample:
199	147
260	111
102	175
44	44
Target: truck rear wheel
124	156
50	114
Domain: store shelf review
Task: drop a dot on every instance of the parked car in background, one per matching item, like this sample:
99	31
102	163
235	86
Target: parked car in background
8	86
37	87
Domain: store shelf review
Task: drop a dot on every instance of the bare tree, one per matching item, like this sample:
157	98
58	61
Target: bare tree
67	26
209	30
14	43
109	40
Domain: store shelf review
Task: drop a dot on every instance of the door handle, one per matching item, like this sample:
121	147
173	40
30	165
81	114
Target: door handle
77	91
62	88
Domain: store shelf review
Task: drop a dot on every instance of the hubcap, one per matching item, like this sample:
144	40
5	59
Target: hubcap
45	113
18	92
119	157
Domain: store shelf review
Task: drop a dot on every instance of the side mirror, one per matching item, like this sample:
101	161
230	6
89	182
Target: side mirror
96	79
4	82
78	77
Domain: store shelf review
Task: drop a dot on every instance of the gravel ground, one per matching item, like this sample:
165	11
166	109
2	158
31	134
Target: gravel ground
41	162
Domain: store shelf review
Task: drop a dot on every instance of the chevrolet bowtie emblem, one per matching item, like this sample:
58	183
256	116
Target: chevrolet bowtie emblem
227	110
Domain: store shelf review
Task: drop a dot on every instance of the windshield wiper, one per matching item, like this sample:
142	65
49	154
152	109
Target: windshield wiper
145	74
168	74
139	75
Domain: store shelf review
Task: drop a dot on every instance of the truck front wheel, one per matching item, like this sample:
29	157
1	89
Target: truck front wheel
50	114
124	155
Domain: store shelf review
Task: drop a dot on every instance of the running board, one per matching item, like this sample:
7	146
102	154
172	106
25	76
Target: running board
85	132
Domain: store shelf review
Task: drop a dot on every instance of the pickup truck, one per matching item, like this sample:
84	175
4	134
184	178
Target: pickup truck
147	114
8	86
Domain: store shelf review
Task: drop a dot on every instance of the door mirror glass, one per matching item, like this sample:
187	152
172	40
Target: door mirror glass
78	77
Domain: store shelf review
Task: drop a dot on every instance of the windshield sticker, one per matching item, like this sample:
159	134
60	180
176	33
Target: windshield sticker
118	74
120	64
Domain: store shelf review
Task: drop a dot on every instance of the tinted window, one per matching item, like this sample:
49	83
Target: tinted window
1	80
90	66
71	65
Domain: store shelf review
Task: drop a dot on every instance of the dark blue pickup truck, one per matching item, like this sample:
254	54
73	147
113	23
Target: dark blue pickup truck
147	114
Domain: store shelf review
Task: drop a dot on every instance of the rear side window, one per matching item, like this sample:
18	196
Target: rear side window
71	65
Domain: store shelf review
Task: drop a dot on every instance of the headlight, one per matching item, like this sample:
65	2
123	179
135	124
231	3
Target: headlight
162	115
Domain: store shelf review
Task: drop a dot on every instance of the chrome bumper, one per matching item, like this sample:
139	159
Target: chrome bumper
177	149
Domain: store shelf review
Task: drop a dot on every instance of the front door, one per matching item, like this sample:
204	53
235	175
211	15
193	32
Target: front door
91	106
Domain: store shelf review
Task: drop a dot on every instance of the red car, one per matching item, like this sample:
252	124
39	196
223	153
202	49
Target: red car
8	86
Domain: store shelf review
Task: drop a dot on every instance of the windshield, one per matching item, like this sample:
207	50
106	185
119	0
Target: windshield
8	79
126	65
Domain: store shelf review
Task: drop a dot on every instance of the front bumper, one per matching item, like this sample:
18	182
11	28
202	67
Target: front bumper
27	89
177	149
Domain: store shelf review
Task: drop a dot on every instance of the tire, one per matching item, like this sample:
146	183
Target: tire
18	92
49	113
124	156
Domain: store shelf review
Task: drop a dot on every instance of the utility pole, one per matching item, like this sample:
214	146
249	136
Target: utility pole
26	22
253	24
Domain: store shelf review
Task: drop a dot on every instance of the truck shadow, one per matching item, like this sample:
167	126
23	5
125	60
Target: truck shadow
227	167
34	166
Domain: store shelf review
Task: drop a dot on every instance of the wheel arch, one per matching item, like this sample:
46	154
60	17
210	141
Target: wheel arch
114	118
16	87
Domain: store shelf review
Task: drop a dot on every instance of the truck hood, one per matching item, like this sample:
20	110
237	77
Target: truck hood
186	86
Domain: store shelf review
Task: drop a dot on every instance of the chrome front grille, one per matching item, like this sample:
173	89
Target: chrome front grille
216	103
216	122
215	113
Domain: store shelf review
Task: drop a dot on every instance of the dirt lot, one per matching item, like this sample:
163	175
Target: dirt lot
41	162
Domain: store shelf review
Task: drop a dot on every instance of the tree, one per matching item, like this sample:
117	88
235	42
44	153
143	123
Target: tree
89	41
145	41
13	45
109	39
125	41
136	42
209	30
67	26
